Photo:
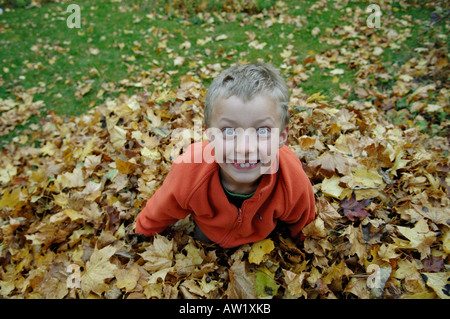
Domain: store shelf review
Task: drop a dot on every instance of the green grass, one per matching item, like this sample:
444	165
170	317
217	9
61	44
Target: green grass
105	28
37	49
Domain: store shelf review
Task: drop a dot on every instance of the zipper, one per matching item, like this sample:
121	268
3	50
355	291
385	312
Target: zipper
236	224
238	220
239	217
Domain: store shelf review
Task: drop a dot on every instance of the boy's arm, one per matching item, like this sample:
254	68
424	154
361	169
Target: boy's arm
302	212
163	208
161	211
300	205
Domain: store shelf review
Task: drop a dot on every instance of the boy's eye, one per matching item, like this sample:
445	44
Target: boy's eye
228	131
263	131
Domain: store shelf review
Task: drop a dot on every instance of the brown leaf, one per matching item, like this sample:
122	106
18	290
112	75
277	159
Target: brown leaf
294	283
98	268
127	278
330	164
242	283
159	255
354	209
327	212
433	264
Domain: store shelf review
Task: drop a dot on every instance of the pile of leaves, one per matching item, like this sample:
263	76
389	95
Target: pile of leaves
377	156
70	199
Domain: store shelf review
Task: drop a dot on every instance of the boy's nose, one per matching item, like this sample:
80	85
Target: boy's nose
246	145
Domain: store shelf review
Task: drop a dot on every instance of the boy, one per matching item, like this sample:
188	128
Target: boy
247	179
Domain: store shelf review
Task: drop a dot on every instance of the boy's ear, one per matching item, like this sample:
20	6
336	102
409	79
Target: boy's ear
284	136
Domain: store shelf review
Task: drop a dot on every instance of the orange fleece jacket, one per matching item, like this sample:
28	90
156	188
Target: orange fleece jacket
195	188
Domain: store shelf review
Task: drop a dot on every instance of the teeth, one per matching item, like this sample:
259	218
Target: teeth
244	165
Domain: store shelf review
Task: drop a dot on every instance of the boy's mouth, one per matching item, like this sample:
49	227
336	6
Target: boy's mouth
246	165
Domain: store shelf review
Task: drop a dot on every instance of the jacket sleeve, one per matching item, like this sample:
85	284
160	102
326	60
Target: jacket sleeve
300	206
302	213
165	207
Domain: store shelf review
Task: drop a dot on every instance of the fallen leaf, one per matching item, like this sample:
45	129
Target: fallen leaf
315	229
128	277
98	268
242	283
327	212
433	264
354	209
330	187
330	164
315	32
221	37
259	250
94	51
356	241
124	167
439	283
159	255
294	284
265	285
420	238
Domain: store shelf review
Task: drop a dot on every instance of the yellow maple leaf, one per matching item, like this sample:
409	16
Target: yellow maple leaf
84	151
316	97
124	167
159	255
127	278
7	173
315	229
399	162
330	164
152	154
98	268
49	149
439	283
368	178
336	272
356	239
259	250
118	137
71	179
330	186
73	214
294	283
387	252
12	198
193	253
446	242
420	238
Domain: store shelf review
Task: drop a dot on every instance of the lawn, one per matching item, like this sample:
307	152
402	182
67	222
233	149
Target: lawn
120	43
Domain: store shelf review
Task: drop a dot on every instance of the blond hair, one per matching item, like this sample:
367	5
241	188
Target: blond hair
245	82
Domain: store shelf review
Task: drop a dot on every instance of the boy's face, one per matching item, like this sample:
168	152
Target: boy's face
246	137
